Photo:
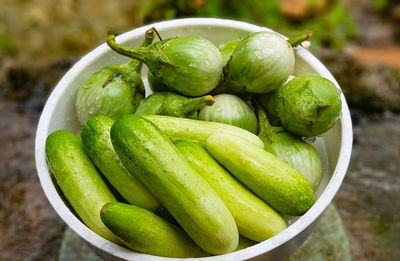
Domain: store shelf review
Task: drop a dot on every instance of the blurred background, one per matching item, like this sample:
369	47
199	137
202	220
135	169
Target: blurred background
358	40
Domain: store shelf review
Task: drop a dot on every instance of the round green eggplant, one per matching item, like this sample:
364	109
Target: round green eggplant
309	105
114	90
232	110
190	65
260	63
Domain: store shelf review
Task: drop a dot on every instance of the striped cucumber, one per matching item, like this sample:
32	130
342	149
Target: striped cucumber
78	179
277	183
97	144
254	218
144	231
147	152
199	131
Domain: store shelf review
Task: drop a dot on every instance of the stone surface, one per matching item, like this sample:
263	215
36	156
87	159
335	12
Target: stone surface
368	87
328	242
368	200
29	227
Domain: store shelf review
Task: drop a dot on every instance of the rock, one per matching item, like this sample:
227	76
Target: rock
370	87
368	199
328	242
74	247
29	228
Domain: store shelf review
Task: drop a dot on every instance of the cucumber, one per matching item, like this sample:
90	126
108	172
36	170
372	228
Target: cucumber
78	179
144	231
198	131
245	243
147	152
97	144
254	218
277	183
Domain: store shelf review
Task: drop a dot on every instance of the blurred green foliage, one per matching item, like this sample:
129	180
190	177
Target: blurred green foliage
8	45
332	25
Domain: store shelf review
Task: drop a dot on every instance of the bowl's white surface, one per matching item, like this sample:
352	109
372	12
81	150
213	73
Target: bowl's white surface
59	113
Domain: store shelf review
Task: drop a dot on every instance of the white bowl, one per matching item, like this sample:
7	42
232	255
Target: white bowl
59	113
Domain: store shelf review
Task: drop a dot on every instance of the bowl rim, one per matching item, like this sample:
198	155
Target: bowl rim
294	229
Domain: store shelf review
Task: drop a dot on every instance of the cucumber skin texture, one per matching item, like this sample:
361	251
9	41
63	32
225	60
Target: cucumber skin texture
198	131
254	218
79	180
144	231
97	144
273	180
146	151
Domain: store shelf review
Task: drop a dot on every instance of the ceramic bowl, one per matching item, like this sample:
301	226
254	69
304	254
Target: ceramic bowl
59	113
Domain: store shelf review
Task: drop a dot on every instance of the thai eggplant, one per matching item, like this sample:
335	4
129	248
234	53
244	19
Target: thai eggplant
308	105
293	150
261	62
171	104
155	84
232	110
114	90
190	65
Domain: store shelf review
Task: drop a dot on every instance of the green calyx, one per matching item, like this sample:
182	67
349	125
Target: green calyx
227	49
171	104
297	40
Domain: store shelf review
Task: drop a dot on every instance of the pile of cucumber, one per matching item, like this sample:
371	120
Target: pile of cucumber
210	162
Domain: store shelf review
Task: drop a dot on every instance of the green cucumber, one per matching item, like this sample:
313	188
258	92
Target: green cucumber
144	231
78	179
273	180
198	131
245	243
254	218
147	152
97	144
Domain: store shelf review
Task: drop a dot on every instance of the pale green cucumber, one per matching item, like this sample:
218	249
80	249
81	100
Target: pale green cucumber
198	131
97	144
78	179
147	152
254	218
277	183
144	231
245	243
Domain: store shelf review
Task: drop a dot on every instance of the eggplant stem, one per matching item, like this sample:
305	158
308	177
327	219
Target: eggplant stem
195	104
158	35
297	40
135	53
262	118
149	37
